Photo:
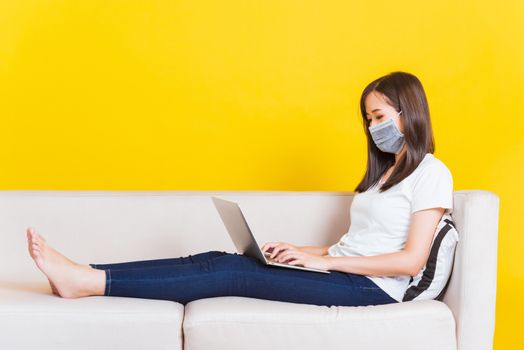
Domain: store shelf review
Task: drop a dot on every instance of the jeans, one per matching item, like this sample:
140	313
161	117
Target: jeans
216	273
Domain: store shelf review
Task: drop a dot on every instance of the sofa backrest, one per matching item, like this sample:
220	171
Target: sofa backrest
114	226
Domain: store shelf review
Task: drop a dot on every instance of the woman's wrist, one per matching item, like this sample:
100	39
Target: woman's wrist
330	262
315	250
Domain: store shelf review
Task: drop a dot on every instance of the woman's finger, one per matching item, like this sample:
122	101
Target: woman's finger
274	252
277	250
284	248
295	262
288	254
269	245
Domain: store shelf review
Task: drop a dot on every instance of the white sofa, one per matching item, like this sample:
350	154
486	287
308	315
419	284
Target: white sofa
115	226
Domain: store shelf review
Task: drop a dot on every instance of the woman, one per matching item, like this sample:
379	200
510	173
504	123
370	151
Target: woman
394	214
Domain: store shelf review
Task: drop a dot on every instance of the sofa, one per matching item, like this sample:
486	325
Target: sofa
114	226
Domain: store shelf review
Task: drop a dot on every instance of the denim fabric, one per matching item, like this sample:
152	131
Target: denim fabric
215	273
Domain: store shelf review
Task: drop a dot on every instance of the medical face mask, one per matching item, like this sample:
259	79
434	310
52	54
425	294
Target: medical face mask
387	136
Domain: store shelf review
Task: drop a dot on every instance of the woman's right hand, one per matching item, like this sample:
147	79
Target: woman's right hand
277	247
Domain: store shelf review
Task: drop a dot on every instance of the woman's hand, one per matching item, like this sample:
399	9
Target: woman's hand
295	257
278	247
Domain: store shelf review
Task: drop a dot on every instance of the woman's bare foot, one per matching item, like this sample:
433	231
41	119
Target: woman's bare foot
53	288
67	278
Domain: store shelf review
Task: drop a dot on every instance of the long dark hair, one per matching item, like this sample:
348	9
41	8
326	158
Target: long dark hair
404	92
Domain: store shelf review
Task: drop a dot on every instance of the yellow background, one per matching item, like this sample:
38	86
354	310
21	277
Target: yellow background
240	95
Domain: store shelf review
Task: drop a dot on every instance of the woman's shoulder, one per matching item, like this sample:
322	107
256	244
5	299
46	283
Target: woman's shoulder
432	166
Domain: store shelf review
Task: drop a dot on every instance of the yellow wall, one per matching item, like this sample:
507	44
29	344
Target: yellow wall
118	94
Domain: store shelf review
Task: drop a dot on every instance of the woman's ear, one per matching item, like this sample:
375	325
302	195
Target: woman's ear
401	121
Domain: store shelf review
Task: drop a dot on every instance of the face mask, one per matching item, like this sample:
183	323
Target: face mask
387	136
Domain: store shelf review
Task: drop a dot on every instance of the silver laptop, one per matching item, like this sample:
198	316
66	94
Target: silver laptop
243	238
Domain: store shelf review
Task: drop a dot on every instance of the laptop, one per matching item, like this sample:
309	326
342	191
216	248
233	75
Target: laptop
243	238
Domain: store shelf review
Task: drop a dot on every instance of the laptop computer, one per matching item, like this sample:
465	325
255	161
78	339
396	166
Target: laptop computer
243	238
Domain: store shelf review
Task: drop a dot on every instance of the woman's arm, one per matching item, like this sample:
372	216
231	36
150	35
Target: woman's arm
314	250
277	247
406	262
393	264
409	261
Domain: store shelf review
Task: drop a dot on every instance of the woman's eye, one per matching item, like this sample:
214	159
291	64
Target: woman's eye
379	117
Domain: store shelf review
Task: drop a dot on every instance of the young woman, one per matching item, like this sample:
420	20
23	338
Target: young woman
394	214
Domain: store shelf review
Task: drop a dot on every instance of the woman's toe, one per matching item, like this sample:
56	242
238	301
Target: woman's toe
39	239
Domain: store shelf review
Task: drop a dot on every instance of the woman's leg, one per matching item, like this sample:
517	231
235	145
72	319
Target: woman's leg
238	275
229	274
190	259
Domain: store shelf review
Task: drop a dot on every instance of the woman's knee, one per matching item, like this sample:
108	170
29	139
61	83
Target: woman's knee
217	252
205	256
234	262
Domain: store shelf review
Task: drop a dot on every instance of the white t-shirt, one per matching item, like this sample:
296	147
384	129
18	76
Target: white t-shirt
380	221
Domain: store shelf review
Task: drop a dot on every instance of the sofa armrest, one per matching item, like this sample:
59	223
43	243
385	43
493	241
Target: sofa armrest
471	294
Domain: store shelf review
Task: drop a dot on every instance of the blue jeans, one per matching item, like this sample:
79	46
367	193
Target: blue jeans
216	273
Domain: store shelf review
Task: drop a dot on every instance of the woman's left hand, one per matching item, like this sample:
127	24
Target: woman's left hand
297	257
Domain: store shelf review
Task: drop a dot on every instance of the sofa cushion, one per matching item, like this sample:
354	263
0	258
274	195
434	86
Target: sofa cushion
432	279
239	323
33	318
